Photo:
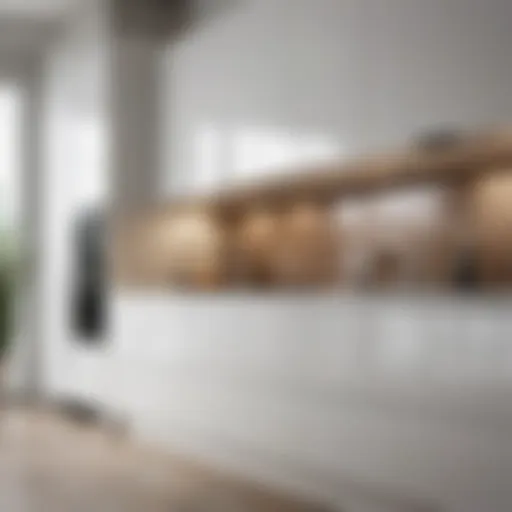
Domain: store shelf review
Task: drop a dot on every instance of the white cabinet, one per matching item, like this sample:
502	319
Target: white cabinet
396	403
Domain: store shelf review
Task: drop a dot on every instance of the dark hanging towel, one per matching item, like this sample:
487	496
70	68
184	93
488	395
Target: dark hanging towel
89	308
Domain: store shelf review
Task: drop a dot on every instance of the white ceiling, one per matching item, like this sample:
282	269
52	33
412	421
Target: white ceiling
34	8
27	25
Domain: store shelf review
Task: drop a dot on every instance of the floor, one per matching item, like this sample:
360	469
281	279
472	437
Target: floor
48	464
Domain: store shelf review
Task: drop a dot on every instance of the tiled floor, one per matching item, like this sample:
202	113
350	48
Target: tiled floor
50	465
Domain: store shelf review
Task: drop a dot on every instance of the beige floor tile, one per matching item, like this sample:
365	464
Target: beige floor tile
50	465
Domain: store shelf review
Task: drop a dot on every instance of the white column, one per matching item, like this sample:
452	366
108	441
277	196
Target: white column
24	366
140	32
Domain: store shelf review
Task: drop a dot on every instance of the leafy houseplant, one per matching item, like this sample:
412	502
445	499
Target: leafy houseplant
7	268
5	309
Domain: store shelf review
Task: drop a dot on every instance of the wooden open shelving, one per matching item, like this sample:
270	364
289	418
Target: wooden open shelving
473	154
465	161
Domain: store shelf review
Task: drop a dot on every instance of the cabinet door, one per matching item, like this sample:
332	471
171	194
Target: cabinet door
490	210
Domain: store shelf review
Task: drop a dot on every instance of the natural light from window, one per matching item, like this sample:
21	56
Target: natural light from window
10	168
225	155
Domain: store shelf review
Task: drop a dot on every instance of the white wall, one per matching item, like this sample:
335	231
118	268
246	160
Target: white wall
74	179
358	73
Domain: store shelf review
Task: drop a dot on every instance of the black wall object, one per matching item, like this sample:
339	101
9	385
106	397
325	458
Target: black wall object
89	295
466	276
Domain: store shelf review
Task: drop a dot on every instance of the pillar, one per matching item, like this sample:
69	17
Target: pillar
25	368
140	31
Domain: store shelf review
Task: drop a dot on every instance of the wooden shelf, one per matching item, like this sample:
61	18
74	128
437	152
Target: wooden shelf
457	165
475	154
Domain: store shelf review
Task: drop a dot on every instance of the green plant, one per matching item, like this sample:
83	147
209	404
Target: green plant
7	282
5	308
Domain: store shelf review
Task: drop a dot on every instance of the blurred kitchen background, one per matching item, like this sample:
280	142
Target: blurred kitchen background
361	400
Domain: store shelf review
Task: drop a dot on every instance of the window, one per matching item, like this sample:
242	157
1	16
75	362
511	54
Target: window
10	168
223	155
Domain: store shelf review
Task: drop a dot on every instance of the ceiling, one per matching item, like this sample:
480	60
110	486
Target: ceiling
34	9
26	25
